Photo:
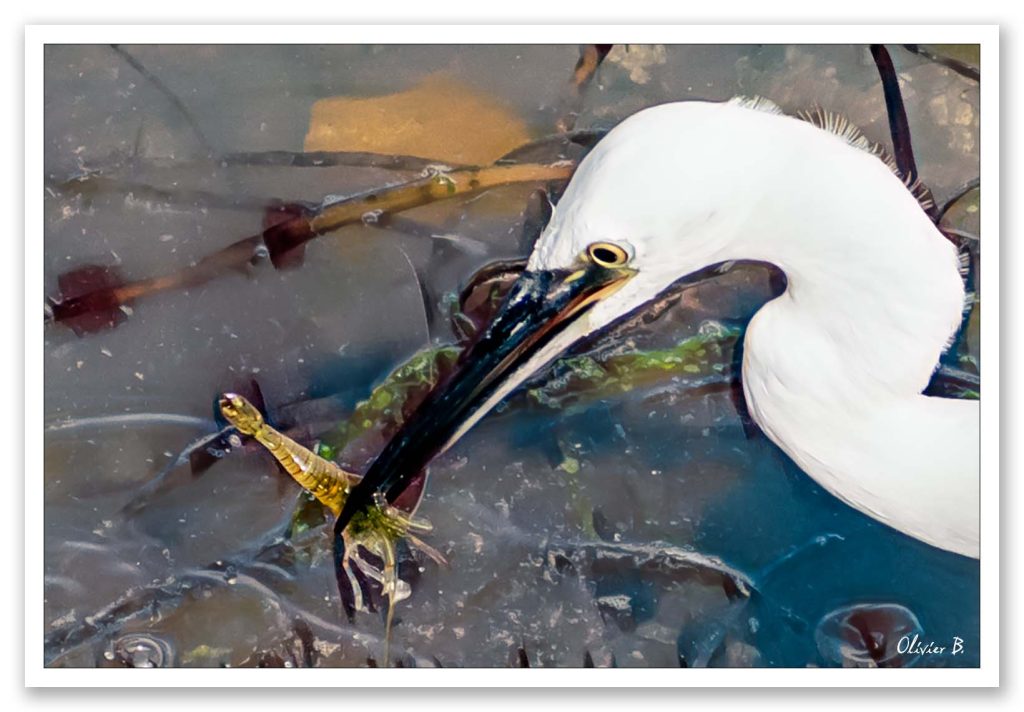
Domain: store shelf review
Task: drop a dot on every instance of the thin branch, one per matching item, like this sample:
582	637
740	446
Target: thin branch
591	56
430	188
159	483
98	177
176	102
284	239
426	301
961	68
95	183
104	168
444	248
400	224
899	126
584	138
130	419
326	159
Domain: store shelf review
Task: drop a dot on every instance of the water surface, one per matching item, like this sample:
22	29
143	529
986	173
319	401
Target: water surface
556	523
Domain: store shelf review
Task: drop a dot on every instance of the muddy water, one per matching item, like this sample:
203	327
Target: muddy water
570	535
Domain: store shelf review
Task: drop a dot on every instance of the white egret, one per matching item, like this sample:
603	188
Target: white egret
833	369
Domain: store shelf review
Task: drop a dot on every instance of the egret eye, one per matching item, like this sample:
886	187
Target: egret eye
607	254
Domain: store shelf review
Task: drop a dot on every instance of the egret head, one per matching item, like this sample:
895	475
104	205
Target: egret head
630	224
671	190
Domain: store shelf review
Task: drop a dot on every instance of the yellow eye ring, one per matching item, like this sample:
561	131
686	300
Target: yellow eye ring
607	254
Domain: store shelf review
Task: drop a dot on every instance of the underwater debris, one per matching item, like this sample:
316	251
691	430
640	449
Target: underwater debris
657	560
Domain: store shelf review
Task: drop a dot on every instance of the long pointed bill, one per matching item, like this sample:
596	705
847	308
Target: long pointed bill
539	307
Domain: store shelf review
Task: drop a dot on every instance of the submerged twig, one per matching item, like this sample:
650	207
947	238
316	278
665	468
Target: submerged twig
328	159
156	485
433	186
126	419
591	56
899	126
961	68
583	138
283	239
275	159
176	102
427	301
95	182
101	175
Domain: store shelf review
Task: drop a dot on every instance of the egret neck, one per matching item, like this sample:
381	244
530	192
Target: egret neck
833	369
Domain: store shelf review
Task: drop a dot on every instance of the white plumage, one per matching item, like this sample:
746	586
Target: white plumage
835	367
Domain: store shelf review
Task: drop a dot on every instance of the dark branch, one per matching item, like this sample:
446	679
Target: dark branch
292	226
961	68
899	126
583	138
327	159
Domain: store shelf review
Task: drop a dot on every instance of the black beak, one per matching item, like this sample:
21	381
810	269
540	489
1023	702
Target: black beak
539	306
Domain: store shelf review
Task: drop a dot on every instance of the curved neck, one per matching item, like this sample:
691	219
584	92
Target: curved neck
833	369
874	294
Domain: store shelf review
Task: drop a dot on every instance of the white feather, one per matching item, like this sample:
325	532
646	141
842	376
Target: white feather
834	369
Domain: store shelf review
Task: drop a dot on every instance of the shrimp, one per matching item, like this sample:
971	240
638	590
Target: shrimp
377	529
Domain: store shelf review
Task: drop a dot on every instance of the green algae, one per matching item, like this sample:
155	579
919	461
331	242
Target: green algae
390	402
573	380
593	376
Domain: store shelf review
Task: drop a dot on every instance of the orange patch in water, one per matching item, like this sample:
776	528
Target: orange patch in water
438	119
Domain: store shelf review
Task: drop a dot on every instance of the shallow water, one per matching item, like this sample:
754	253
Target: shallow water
567	532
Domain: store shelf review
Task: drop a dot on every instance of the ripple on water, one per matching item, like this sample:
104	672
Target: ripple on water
141	650
867	635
